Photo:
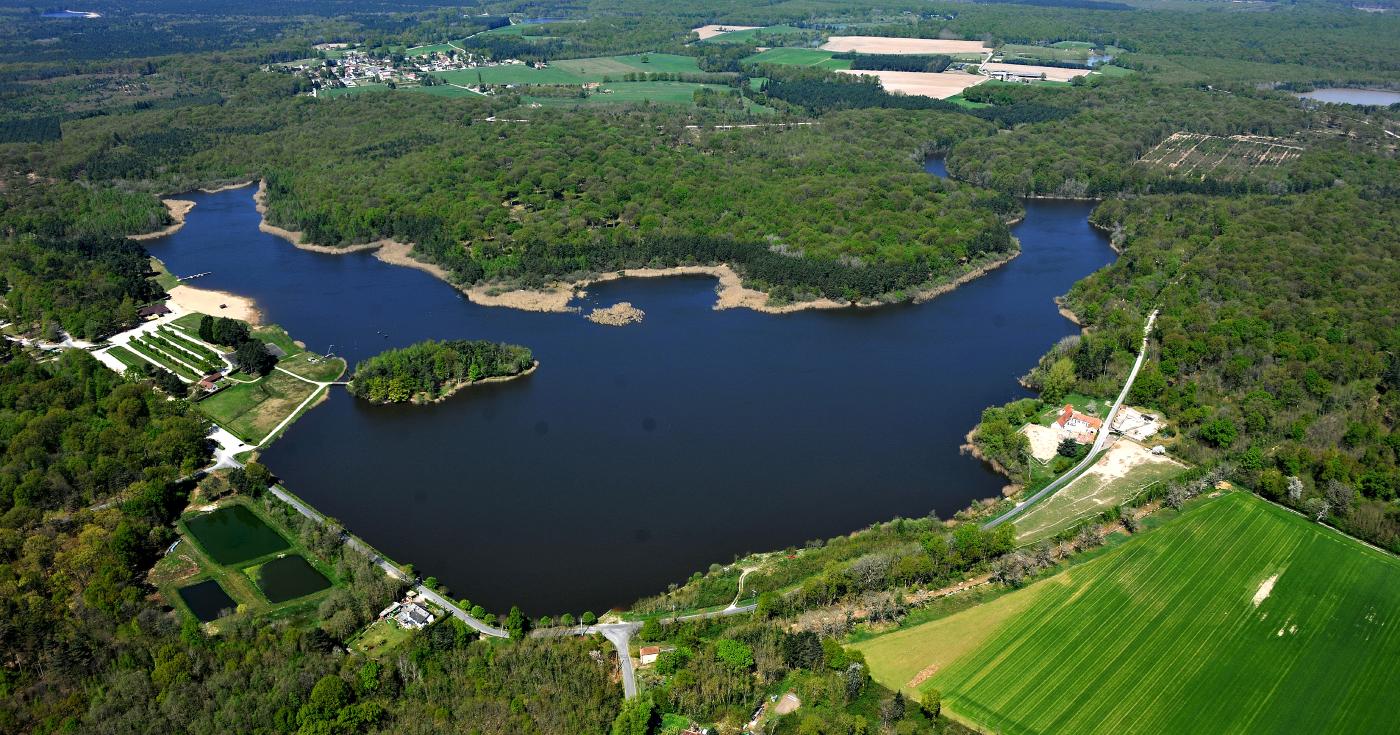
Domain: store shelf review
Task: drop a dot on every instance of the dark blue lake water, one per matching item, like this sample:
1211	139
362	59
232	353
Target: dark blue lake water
637	455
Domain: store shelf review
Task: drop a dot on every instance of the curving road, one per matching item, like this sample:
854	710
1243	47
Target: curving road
1099	442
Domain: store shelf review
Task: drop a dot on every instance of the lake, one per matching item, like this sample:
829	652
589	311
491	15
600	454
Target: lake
637	455
1350	96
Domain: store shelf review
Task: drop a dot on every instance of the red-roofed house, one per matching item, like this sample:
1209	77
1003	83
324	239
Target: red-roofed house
1082	427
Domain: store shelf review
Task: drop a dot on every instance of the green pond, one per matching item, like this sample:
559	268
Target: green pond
207	600
288	578
233	534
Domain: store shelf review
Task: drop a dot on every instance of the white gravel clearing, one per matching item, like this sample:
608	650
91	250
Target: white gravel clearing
1264	589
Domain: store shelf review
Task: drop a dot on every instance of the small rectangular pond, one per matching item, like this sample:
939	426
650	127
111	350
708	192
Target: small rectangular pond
234	534
207	600
288	578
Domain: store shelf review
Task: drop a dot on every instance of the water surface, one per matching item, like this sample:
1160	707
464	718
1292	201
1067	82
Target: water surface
1350	96
288	578
207	600
233	534
637	455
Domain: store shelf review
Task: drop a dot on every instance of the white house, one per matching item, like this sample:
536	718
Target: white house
1082	428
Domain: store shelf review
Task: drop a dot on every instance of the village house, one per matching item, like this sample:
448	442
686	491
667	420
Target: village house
649	654
1082	428
408	614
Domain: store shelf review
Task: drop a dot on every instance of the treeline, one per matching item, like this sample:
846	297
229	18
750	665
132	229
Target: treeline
429	370
819	93
88	288
30	129
897	62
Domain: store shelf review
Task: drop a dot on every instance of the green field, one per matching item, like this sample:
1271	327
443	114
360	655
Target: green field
509	74
750	36
252	410
799	57
430	49
594	69
1051	53
1176	631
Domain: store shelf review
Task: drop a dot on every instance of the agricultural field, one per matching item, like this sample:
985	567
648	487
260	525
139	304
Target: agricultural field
1196	156
442	90
1124	471
799	57
1235	615
1046	53
595	69
939	85
750	35
509	74
252	410
435	48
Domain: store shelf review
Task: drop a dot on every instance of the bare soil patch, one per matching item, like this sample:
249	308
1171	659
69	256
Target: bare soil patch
1052	73
940	85
1045	441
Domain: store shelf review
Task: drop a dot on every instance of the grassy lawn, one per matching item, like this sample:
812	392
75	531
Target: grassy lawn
1051	53
1088	495
961	101
379	638
1234	616
164	278
313	367
149	349
252	410
799	57
1110	70
1088	405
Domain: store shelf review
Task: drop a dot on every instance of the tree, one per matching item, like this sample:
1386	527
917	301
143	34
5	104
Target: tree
1058	381
566	620
892	710
932	702
1068	447
1316	508
638	717
516	623
253	358
651	630
589	618
1220	432
251	480
737	654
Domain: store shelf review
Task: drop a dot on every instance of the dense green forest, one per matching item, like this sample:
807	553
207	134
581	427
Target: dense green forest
429	370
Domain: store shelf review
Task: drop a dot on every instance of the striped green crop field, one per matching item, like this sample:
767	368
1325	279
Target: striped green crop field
1235	617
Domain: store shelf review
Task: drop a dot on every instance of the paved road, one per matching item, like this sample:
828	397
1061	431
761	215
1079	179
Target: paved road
1098	442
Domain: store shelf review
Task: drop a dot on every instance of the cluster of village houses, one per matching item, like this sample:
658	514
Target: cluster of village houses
357	68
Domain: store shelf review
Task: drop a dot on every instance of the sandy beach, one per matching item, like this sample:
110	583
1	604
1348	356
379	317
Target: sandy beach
216	303
178	208
225	187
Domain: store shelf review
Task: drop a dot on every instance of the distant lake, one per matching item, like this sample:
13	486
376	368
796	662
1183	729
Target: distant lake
1350	96
637	455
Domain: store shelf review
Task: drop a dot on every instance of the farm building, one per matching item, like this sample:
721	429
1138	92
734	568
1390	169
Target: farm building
1082	428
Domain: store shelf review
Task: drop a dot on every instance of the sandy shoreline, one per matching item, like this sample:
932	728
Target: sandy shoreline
225	187
207	301
178	208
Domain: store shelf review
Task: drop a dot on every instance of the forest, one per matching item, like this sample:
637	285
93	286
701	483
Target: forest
430	370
